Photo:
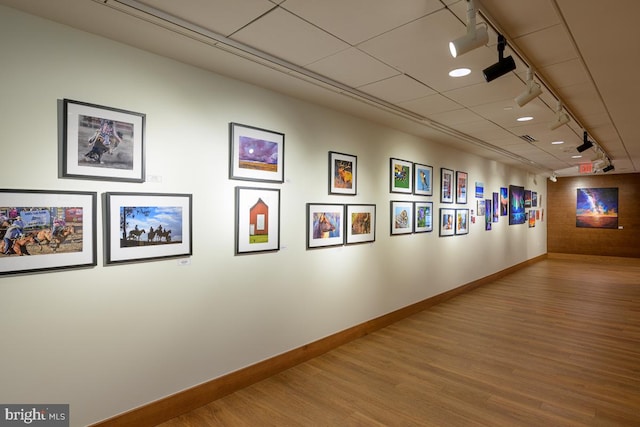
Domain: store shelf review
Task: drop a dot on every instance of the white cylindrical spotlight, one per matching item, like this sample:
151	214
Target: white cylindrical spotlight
561	119
474	38
532	92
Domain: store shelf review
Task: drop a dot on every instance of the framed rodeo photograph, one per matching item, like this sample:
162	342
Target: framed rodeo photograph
46	230
147	226
101	143
256	154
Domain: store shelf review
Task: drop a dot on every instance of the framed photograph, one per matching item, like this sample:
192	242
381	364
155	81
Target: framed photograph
343	173
527	198
488	214
447	221
401	217
147	226
462	221
257	220
423	180
534	199
597	208
446	185
361	224
423	221
325	225
462	184
504	201
479	190
401	175
57	228
516	205
256	154
101	143
495	209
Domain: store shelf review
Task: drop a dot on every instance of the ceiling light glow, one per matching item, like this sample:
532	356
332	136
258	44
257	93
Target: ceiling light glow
524	119
460	72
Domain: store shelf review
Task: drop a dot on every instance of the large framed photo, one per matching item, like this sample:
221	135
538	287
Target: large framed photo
516	205
462	186
446	185
56	228
462	221
147	226
447	221
325	225
422	179
256	154
102	143
343	173
401	217
423	221
361	224
401	175
257	220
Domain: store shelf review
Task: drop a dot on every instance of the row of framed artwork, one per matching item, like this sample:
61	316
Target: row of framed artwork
408	177
417	217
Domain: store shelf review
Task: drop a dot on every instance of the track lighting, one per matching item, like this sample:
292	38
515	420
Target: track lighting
533	91
559	119
476	35
553	178
585	145
503	66
608	168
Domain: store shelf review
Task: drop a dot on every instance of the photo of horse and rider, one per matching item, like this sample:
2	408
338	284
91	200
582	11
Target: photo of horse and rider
105	143
150	225
40	230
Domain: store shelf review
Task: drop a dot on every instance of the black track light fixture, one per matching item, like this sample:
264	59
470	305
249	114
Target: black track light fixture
503	66
608	168
586	144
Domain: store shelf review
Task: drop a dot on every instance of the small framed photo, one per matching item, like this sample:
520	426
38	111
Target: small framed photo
423	221
446	185
361	224
325	225
343	173
447	221
462	185
422	180
401	175
462	221
57	228
102	143
147	226
256	154
257	220
401	217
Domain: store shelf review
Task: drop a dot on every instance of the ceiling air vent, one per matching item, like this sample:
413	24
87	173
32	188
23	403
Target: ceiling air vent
528	138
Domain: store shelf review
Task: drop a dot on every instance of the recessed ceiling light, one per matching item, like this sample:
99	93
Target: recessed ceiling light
460	72
557	142
576	156
524	119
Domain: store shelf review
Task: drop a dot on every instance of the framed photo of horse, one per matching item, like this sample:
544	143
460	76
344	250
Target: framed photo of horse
325	225
343	173
46	230
147	226
101	143
256	154
257	220
361	224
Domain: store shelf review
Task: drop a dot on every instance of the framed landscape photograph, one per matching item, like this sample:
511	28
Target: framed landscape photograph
462	221
462	185
401	217
504	201
447	221
256	154
101	143
516	205
401	175
597	208
325	225
423	180
46	230
423	221
343	173
446	185
147	226
257	220
361	224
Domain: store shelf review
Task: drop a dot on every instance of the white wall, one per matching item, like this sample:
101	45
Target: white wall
108	339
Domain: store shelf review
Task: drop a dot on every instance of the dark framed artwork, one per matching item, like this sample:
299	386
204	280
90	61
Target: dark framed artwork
446	185
534	199
401	176
423	180
56	228
255	154
516	205
325	225
147	226
257	222
361	223
102	143
527	198
597	208
462	186
423	217
401	217
495	209
462	221
479	190
447	221
343	173
488	214
504	201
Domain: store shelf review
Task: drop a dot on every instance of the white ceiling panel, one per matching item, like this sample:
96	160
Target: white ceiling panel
397	89
353	67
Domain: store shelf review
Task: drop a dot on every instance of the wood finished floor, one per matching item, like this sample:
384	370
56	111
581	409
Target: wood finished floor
554	344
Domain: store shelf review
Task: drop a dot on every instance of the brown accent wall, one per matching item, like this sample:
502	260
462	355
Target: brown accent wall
564	237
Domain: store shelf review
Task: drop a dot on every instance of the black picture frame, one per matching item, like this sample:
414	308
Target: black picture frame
446	185
255	154
257	221
343	173
325	225
360	223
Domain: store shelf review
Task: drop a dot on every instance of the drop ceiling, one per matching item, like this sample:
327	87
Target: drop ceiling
389	62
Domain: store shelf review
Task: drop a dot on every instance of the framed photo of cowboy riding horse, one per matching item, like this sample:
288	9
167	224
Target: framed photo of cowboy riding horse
101	143
46	230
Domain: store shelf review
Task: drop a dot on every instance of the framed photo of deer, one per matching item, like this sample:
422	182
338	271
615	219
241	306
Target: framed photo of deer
401	176
361	224
56	228
325	225
101	143
256	154
147	226
257	220
401	217
343	173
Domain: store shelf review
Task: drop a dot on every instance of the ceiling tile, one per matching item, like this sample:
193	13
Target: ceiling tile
352	67
397	89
